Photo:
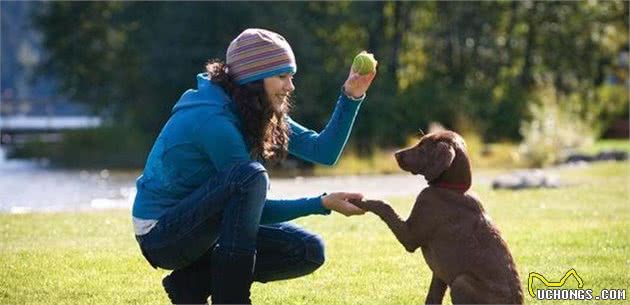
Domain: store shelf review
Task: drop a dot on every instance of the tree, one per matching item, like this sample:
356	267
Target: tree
471	66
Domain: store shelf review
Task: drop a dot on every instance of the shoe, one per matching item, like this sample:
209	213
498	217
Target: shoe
232	277
191	285
180	292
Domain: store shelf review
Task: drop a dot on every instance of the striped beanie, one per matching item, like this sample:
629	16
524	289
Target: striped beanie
256	54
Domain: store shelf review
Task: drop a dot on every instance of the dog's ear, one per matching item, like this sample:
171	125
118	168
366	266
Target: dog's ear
442	156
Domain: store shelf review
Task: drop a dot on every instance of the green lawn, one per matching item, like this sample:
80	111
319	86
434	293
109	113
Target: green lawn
490	156
92	258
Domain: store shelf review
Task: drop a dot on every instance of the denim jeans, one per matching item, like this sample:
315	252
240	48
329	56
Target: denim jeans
225	213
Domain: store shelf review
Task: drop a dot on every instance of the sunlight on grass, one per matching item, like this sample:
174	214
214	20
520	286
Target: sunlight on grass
92	258
489	156
380	162
608	145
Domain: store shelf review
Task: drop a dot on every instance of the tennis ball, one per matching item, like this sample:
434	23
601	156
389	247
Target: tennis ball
364	63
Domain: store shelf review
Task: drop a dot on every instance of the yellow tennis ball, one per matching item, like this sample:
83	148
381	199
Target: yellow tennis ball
364	63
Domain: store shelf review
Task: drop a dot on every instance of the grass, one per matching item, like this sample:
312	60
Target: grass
608	145
501	155
381	161
92	258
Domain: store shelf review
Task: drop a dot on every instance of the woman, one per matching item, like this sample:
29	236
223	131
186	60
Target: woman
201	207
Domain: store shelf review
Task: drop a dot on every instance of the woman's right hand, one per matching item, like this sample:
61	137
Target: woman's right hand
339	202
377	207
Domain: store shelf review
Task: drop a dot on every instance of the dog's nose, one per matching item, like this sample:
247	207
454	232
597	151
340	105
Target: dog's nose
399	158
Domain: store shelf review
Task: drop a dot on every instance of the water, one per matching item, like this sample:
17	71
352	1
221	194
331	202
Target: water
28	186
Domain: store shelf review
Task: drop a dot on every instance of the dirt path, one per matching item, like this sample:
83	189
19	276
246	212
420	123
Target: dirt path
378	186
25	187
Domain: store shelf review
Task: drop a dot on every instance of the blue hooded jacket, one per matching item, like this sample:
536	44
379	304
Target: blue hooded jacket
202	137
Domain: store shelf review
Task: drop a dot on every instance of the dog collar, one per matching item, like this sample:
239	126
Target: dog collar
462	187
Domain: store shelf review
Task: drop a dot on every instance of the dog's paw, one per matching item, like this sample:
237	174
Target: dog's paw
371	205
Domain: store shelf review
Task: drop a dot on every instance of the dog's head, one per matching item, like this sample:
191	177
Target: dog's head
433	155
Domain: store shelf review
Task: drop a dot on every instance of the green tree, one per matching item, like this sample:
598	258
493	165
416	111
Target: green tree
468	65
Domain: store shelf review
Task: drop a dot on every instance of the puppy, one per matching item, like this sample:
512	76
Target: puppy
460	244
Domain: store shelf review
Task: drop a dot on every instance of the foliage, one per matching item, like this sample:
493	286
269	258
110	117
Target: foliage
555	127
105	147
611	102
452	62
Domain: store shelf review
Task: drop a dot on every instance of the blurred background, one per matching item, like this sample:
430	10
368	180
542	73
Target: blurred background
538	90
87	86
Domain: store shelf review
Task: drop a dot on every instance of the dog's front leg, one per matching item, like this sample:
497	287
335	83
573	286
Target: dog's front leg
393	221
436	291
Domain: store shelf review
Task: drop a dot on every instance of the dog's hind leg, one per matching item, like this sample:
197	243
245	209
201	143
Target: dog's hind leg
466	289
436	291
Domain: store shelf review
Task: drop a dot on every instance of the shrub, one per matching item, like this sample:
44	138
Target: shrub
103	147
557	125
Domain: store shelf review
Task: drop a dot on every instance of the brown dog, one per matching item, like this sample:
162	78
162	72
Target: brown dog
460	244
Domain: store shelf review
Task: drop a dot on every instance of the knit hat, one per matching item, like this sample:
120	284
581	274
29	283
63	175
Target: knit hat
256	54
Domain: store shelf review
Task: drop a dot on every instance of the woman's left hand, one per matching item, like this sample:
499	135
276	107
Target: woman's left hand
356	85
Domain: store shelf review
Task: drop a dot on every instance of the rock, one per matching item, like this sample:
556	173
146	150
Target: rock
612	155
524	180
605	155
575	158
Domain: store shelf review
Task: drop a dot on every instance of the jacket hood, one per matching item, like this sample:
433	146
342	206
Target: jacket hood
206	94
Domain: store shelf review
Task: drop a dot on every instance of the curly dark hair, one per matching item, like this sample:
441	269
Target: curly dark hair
265	129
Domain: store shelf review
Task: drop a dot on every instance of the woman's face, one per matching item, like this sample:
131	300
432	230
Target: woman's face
278	89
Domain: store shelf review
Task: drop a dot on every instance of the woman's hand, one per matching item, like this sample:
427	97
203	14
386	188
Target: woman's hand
356	85
339	202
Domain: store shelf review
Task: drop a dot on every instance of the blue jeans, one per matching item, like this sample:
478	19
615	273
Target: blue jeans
225	213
